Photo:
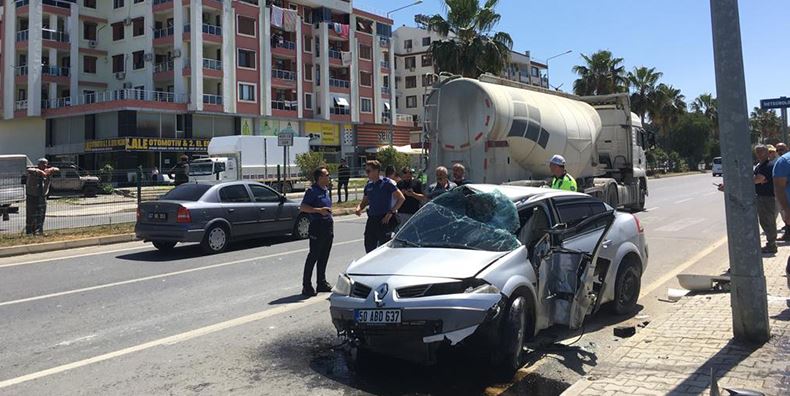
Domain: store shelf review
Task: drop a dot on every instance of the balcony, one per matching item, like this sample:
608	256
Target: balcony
164	32
339	110
22	36
213	30
335	54
289	45
283	74
285	105
157	2
212	64
164	67
333	82
56	3
55	71
157	99
20	105
385	64
212	99
55	35
20	71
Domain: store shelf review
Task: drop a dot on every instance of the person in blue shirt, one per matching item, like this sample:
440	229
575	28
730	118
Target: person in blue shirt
317	203
384	200
781	173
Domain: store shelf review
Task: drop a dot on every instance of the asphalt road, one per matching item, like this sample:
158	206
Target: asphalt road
126	319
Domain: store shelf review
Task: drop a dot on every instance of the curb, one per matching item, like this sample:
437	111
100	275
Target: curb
667	175
54	246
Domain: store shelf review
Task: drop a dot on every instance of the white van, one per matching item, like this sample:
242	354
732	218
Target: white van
717	168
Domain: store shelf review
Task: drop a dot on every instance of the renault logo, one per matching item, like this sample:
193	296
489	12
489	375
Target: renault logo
379	293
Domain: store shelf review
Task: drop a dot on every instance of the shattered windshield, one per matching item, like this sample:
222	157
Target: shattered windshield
463	219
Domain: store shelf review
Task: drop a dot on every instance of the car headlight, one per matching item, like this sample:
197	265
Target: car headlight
342	286
482	288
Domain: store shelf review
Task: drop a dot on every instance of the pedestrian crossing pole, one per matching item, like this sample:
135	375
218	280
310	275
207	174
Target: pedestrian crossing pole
748	297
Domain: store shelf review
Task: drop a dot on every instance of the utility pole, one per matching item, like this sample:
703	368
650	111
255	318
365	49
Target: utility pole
748	297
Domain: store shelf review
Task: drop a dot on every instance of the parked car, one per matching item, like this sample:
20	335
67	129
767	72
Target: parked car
12	178
489	267
717	168
213	215
73	179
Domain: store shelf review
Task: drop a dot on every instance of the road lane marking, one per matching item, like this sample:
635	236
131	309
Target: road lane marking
676	226
167	341
653	208
682	267
684	200
165	275
71	257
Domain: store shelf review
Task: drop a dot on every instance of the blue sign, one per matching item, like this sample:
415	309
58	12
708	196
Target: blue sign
778	103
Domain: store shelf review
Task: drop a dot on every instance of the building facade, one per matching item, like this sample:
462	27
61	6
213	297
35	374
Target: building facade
140	82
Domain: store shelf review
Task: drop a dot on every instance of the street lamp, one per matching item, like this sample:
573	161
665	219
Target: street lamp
392	74
547	65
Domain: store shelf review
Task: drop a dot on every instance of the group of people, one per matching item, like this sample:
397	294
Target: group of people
771	188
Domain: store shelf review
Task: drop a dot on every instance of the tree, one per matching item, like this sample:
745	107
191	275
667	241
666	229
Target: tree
308	162
667	105
643	81
391	156
689	138
765	124
602	75
707	105
470	48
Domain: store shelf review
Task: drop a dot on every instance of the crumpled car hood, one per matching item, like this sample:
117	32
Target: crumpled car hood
428	262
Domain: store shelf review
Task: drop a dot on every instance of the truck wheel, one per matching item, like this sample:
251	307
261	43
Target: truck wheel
216	239
515	324
627	287
640	203
611	196
164	246
287	188
301	227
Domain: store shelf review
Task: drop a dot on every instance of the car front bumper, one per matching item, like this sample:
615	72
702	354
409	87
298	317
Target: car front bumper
168	232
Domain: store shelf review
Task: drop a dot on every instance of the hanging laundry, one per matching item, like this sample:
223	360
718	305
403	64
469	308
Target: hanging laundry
336	27
345	56
277	16
344	31
289	20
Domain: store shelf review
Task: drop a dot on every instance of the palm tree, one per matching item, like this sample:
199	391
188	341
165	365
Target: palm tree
765	123
667	106
643	80
602	75
707	105
470	48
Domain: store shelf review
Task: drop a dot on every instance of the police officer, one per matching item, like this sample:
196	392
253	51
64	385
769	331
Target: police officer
561	180
384	199
317	203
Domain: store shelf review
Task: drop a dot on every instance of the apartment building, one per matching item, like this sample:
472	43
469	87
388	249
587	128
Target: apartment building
140	82
415	73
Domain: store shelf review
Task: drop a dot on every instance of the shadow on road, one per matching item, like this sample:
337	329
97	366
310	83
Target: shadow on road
190	251
288	300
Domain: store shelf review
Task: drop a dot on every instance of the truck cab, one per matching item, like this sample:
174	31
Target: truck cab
213	169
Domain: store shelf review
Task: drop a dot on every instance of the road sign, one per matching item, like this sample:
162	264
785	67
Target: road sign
285	139
777	103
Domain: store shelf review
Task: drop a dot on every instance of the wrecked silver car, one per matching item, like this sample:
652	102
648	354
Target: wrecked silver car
490	266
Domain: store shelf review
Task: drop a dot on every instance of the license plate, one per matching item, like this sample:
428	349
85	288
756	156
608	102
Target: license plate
157	216
377	316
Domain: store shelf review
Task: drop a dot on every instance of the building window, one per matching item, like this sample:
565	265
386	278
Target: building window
426	60
117	31
89	3
246	26
397	102
89	31
138	27
138	60
427	80
410	62
117	3
411	102
308	44
117	63
308	101
407	44
308	72
89	64
365	79
535	72
246	92
365	105
426	41
21	94
365	52
246	59
307	14
386	82
411	82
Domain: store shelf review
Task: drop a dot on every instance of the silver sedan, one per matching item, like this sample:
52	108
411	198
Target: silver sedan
489	267
214	214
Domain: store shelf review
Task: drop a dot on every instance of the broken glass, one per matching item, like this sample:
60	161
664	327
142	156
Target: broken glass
464	219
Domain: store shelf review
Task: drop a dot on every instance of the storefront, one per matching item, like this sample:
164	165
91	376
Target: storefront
127	153
372	136
325	138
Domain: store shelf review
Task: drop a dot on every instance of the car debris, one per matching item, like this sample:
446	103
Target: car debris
625	331
702	283
674	295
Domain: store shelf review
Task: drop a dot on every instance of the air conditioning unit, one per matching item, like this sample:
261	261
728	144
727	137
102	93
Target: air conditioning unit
120	75
127	21
92	43
127	85
177	53
149	57
408	49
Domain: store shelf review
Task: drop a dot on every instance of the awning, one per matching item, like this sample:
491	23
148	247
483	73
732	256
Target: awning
341	101
407	149
387	105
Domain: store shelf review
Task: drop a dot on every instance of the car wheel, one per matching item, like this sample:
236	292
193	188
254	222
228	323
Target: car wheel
301	227
216	239
164	245
627	287
514	333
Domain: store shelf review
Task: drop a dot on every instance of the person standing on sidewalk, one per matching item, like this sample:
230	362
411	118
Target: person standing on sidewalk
412	190
459	175
180	172
781	149
343	176
36	191
766	202
317	203
442	185
385	200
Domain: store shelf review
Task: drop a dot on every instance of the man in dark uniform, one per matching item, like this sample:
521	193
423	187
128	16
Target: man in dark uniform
343	176
385	199
317	203
412	190
36	191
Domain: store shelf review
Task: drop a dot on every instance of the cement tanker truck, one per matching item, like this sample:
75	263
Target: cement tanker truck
506	132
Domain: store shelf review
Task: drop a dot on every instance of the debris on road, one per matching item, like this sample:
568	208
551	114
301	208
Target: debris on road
674	295
625	331
701	283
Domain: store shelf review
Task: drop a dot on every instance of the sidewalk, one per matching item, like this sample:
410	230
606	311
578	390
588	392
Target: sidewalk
674	355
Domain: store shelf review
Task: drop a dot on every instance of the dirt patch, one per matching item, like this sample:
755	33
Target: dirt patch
66	234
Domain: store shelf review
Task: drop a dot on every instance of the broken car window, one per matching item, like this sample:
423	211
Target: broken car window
464	219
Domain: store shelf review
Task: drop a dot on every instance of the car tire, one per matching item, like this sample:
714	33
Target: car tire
627	287
301	227
216	239
515	325
164	246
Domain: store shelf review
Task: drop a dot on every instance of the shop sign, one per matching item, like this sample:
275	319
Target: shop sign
274	127
147	144
326	133
348	135
97	146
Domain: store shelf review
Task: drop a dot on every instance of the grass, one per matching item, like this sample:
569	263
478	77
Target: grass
345	205
67	234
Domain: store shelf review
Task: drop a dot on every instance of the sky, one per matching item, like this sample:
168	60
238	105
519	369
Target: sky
674	36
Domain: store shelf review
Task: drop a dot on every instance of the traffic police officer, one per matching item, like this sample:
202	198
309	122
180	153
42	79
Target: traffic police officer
317	203
561	180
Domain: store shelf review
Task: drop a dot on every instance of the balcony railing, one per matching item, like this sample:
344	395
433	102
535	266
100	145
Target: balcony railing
404	117
20	3
22	35
20	105
283	74
164	32
335	54
385	64
212	99
212	64
287	105
54	35
339	110
161	1
164	67
115	95
55	71
333	82
212	29
20	70
56	3
284	44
